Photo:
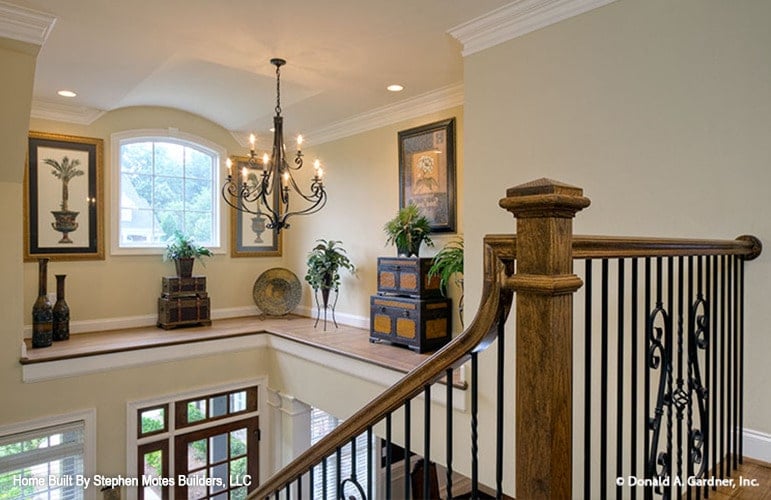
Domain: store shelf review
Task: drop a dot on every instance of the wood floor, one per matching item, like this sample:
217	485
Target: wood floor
756	477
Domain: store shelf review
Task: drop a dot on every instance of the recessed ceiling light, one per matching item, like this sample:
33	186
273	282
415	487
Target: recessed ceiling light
67	93
395	87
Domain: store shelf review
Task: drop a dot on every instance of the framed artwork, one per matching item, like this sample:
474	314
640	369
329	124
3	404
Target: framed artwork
63	198
248	235
427	172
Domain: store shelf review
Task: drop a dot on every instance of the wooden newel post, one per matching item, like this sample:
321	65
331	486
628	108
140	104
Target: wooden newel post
544	283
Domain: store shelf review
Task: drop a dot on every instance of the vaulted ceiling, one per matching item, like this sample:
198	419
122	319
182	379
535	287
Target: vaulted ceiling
212	57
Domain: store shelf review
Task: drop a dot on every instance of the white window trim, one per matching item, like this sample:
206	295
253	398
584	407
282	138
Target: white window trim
89	434
132	440
174	135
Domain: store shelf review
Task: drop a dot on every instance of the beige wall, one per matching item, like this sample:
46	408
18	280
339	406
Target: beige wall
362	177
229	280
660	110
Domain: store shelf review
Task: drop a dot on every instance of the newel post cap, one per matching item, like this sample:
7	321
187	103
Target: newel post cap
544	198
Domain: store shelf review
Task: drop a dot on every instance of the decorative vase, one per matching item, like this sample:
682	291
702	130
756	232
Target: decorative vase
42	312
61	311
184	267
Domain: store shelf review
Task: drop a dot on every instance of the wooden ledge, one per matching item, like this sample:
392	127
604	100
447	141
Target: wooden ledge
345	341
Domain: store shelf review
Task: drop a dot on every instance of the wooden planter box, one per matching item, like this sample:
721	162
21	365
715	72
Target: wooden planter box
183	311
420	324
406	276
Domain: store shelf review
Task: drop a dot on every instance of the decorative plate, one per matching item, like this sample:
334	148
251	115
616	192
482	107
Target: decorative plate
277	291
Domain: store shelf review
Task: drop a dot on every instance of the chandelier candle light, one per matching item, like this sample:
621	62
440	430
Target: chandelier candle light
267	183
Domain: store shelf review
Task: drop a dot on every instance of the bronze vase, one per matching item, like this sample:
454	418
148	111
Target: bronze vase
42	312
61	311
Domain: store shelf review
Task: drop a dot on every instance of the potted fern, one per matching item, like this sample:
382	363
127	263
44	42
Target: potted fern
324	263
183	251
448	265
408	230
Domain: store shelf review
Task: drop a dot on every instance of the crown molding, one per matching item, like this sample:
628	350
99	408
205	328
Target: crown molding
25	25
516	19
423	104
56	111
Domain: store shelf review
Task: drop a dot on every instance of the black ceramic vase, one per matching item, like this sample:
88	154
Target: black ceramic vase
61	312
42	312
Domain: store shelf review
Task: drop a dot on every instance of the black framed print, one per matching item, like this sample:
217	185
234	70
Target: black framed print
427	172
63	198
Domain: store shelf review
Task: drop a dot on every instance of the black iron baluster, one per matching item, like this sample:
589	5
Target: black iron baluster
426	439
689	374
354	477
668	364
722	364
647	384
499	410
300	487
736	395
588	379
338	472
324	483
407	449
715	327
474	427
633	423
449	440
310	483
604	382
741	362
620	378
679	395
709	325
729	368
369	462
388	457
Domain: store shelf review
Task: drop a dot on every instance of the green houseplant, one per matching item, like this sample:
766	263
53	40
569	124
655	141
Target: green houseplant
448	265
408	230
183	251
324	263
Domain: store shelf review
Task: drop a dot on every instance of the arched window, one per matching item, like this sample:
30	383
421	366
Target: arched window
164	183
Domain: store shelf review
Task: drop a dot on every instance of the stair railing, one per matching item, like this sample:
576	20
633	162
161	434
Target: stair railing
690	278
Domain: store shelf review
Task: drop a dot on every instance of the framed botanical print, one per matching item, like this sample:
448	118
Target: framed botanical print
427	172
249	236
63	198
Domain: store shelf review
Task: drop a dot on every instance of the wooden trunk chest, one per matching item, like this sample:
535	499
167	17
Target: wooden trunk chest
183	311
406	276
174	286
420	324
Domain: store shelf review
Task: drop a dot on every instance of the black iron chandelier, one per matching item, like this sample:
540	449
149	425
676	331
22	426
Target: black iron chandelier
263	186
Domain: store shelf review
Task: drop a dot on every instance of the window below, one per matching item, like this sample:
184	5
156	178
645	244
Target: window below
164	183
202	446
42	463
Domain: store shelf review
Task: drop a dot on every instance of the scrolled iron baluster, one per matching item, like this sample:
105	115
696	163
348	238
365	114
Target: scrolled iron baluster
356	484
699	340
659	357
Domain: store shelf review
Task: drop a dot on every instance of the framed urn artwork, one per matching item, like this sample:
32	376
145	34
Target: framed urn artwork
427	172
249	236
63	198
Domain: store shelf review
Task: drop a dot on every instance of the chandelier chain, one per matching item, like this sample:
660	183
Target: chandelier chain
278	89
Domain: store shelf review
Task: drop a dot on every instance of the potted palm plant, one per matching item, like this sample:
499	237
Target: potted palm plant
65	171
408	230
183	251
324	263
447	264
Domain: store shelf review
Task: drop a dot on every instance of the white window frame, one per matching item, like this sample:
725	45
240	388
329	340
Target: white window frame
175	136
89	436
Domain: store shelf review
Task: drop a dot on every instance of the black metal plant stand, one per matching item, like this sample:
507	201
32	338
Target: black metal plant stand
324	304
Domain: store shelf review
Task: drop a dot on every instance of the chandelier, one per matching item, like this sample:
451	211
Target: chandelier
263	186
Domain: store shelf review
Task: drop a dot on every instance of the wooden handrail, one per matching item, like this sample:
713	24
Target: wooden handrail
494	307
606	247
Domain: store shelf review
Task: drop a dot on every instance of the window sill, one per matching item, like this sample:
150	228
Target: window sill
347	348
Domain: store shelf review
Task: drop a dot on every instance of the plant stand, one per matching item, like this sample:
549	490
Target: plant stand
324	304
